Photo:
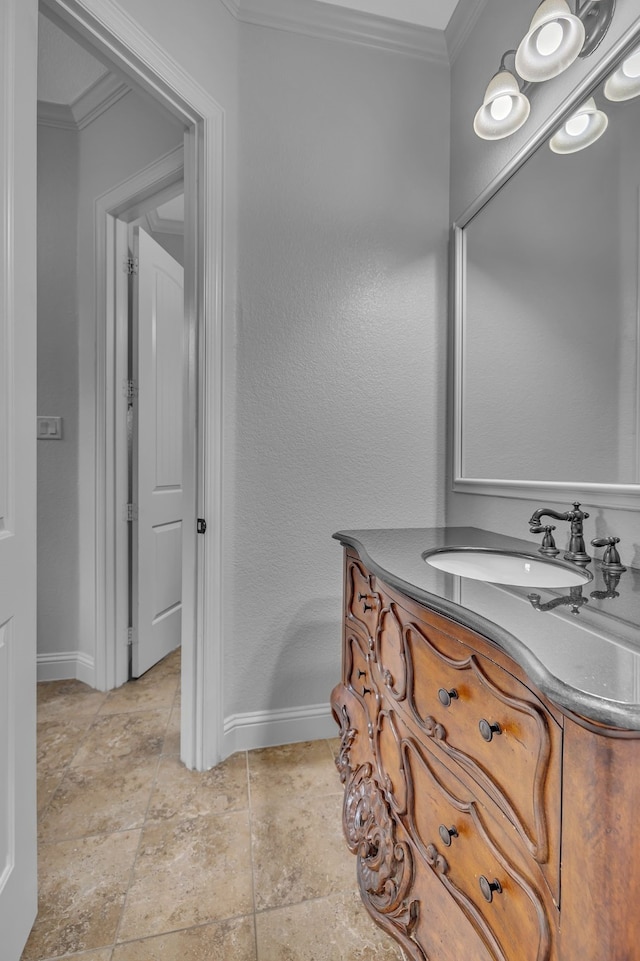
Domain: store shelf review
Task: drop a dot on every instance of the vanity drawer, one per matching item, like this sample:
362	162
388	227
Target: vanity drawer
461	841
484	720
480	863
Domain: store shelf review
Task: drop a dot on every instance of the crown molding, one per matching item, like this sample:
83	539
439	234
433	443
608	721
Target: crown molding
101	95
462	22
56	115
331	22
106	91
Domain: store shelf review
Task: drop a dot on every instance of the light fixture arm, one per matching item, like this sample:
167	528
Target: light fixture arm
524	85
596	15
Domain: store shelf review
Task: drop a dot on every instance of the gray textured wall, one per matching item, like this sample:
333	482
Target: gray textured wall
58	522
343	198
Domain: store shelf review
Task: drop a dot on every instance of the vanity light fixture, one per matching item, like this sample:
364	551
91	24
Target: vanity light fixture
624	83
557	37
505	107
554	39
583	128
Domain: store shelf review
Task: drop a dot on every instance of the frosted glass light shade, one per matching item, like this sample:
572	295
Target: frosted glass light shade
504	108
583	128
554	40
624	83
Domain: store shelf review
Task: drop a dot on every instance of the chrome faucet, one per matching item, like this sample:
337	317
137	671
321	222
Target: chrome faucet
576	551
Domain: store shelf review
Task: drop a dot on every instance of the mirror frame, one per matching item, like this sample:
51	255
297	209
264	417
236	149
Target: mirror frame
606	495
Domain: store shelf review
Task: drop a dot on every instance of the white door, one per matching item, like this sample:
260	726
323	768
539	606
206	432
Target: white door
18	894
158	355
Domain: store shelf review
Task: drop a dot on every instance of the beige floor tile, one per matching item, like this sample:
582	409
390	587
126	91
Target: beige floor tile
103	955
232	940
47	786
293	771
82	885
137	736
110	778
154	691
172	737
58	742
100	800
189	872
67	699
337	928
180	793
317	864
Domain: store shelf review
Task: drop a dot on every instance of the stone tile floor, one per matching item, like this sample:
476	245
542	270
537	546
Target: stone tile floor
143	860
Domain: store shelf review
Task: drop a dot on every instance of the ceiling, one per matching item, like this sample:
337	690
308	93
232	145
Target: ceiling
66	70
425	13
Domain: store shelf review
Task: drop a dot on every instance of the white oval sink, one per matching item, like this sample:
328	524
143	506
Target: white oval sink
502	567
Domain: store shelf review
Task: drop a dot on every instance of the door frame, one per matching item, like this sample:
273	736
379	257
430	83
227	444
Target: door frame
105	26
123	203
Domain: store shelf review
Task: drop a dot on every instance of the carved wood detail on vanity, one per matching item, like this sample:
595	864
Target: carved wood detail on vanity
459	794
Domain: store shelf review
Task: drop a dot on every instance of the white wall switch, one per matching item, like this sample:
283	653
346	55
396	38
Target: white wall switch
49	428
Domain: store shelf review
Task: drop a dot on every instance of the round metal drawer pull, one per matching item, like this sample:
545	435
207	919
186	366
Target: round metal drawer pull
488	730
446	697
488	887
446	834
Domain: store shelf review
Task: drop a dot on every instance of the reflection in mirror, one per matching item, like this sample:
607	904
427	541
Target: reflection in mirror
548	323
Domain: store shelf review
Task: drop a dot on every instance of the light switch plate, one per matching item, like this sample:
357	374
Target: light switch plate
49	428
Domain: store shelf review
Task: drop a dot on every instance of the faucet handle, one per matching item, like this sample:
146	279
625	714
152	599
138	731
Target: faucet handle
611	558
548	545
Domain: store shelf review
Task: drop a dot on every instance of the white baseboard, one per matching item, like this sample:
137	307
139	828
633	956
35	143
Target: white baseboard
244	732
65	665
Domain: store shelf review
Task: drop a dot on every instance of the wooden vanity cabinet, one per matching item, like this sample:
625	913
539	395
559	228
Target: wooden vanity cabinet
487	824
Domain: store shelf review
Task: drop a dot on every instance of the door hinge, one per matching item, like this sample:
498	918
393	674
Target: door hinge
130	265
130	389
130	637
130	512
202	526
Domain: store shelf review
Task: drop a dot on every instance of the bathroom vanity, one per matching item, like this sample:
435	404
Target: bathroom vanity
490	753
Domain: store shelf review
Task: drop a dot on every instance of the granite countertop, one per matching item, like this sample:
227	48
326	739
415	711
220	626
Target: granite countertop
587	663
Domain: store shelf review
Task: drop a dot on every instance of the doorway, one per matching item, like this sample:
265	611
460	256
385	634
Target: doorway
134	55
132	206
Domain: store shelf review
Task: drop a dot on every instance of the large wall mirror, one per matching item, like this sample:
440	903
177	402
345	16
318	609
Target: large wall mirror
547	320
